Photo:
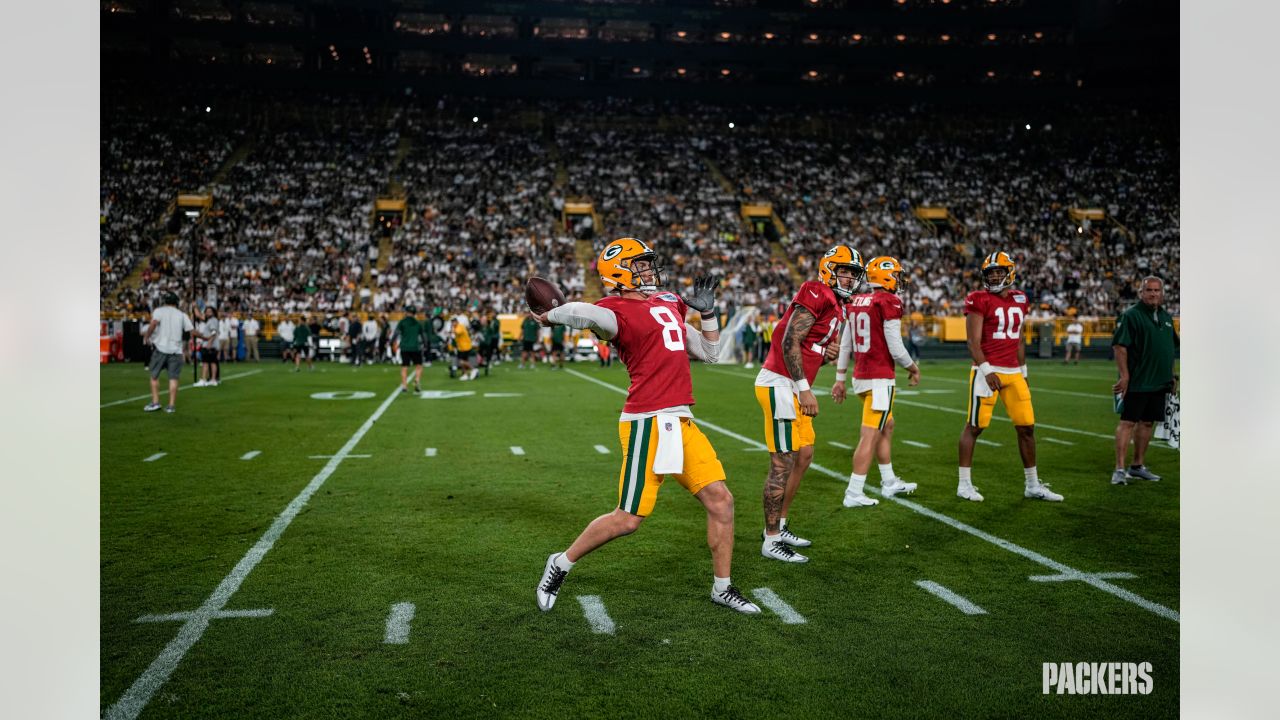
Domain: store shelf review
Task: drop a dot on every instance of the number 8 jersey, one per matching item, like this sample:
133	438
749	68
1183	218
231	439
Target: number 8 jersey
1002	315
651	342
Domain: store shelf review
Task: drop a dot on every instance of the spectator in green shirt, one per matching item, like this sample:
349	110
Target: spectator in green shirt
528	336
302	346
409	335
1145	345
557	346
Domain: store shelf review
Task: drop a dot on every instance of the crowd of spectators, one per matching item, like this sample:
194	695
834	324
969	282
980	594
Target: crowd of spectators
291	229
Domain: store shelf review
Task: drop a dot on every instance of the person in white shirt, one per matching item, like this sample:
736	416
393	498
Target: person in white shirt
369	332
1075	338
285	328
251	328
225	350
209	333
165	333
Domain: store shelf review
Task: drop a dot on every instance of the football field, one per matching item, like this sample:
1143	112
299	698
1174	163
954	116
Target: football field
319	545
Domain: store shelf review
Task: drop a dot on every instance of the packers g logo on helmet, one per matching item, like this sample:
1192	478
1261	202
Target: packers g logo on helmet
614	265
837	257
998	271
884	272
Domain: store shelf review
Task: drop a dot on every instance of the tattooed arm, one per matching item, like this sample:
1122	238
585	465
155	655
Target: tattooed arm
797	329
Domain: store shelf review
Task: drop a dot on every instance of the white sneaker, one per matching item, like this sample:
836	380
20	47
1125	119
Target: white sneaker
896	486
780	550
733	599
1042	492
213	383
549	585
968	492
475	373
200	383
852	500
1119	477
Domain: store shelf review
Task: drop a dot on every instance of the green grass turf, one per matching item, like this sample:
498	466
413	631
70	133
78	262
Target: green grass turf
464	536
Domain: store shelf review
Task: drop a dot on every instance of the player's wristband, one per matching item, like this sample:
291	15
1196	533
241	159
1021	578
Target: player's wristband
1024	370
987	369
802	385
710	322
841	375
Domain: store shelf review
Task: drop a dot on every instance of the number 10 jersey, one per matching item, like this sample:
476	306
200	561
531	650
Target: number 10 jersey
1002	316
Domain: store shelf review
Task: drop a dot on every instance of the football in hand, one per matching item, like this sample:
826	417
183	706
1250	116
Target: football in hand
542	295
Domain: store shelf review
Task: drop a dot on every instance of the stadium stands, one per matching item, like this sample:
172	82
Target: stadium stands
291	228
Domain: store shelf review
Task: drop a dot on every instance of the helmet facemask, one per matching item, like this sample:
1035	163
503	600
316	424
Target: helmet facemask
856	272
997	277
654	270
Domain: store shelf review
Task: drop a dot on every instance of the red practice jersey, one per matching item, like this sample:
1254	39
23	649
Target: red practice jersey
829	311
651	342
1002	316
867	315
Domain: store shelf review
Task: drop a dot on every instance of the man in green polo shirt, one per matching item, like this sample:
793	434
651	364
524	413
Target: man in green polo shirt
408	333
1145	344
302	346
528	336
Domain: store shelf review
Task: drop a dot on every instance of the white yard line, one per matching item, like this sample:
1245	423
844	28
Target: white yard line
596	614
946	595
1057	441
1065	578
916	444
251	455
517	450
988	442
770	599
1031	555
398	624
164	390
155	457
221	614
840	445
602	450
326	457
139	694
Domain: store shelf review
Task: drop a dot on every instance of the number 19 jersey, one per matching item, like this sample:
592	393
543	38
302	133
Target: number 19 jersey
1002	316
651	342
867	315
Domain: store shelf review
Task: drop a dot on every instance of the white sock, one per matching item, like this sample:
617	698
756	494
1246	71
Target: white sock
856	483
964	476
782	524
720	584
771	538
886	472
1030	475
562	562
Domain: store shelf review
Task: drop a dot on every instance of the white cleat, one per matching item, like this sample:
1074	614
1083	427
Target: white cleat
1119	477
895	487
852	500
780	550
200	383
968	492
1041	491
793	539
734	600
549	585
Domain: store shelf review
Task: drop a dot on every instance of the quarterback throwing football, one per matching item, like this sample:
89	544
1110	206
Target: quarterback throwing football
656	429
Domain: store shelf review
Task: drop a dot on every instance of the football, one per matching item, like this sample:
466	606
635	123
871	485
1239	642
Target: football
542	295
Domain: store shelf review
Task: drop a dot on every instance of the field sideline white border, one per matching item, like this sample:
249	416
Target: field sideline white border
49	527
